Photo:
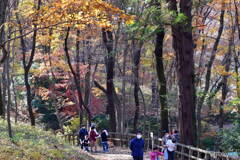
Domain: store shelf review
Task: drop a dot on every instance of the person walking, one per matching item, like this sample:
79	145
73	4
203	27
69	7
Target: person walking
176	136
137	146
164	141
155	154
104	137
81	134
86	144
171	147
93	134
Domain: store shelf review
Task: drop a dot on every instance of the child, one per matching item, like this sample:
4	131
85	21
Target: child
154	155
104	137
85	144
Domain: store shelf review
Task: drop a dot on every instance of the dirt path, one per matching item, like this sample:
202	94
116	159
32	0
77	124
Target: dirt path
112	156
115	154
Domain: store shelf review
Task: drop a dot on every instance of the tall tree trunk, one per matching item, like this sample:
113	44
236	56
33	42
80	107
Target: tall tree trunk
3	7
1	101
77	81
8	84
87	91
27	65
27	68
161	78
15	99
154	99
237	55
107	37
9	104
209	71
4	90
76	77
183	46
225	88
12	81
123	109
136	62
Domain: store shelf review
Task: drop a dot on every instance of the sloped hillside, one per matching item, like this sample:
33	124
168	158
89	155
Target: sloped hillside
35	144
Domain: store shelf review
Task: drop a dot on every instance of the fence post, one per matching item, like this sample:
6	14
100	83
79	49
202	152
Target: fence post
190	153
152	140
182	152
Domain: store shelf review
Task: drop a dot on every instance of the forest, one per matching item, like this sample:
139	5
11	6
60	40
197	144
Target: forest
124	66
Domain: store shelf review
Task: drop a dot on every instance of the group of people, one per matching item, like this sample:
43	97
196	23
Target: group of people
166	153
169	143
87	140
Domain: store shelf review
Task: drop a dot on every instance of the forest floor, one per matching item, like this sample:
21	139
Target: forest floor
115	153
35	144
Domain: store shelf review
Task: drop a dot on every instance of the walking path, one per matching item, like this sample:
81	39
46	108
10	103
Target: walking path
115	153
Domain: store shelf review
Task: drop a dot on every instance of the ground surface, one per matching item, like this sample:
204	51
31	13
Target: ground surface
115	153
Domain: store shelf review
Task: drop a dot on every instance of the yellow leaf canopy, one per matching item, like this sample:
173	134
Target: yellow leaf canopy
78	14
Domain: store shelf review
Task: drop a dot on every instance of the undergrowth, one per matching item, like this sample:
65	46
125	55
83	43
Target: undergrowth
32	143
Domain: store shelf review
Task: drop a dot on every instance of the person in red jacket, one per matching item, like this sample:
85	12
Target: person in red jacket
93	138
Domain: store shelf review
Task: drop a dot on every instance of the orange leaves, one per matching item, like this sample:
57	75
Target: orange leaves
97	92
169	56
43	92
219	69
79	14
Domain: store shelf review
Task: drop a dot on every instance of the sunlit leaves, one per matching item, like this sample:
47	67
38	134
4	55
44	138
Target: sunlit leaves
78	14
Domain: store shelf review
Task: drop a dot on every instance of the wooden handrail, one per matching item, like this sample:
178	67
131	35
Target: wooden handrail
186	151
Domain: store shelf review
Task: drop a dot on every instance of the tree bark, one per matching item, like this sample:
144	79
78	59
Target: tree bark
1	101
87	91
123	109
161	78
136	62
3	7
27	65
4	90
76	77
183	46
107	37
77	74
237	55
225	88
9	104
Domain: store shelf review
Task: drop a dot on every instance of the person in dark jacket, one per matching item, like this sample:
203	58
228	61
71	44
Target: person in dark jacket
176	136
137	146
82	133
104	137
86	144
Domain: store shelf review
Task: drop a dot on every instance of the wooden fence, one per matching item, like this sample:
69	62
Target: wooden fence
183	152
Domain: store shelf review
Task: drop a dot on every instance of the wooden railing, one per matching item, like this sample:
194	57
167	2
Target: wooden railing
183	152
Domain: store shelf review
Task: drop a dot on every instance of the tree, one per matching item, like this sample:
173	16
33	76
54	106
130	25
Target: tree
27	65
76	76
107	37
3	7
183	46
161	78
136	62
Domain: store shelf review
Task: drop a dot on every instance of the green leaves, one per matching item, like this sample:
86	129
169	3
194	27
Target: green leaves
181	18
230	139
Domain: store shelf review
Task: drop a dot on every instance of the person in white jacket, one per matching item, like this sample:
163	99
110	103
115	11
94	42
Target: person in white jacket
171	147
